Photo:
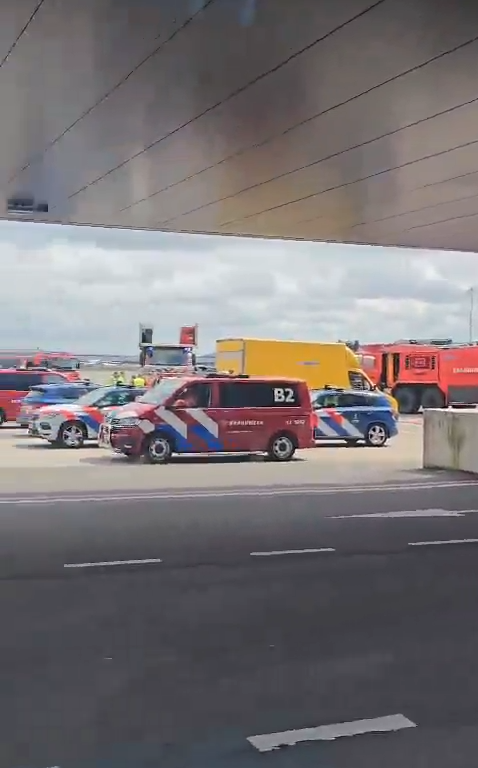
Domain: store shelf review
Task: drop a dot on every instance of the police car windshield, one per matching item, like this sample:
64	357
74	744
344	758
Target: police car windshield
92	397
159	394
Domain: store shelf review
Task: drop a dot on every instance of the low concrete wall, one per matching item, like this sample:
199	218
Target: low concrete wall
450	439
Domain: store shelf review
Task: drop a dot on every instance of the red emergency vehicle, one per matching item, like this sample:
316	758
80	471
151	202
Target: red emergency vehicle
423	374
15	385
214	414
63	362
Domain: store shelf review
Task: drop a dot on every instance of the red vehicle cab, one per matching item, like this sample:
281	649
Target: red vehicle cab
214	414
15	385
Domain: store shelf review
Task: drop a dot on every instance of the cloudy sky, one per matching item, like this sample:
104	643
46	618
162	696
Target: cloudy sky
86	289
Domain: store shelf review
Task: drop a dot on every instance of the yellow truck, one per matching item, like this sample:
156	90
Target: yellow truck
318	363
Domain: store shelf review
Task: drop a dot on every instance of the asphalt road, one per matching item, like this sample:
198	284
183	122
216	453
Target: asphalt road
238	632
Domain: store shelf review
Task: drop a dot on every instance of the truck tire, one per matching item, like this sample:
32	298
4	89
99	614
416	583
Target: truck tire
432	397
407	400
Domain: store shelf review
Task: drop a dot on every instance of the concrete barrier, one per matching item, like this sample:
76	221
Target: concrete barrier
450	439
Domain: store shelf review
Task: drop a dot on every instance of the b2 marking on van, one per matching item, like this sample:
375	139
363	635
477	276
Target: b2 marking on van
283	395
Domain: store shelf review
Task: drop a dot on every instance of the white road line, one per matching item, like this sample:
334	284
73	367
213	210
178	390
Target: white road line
408	514
234	493
438	543
111	562
291	552
270	741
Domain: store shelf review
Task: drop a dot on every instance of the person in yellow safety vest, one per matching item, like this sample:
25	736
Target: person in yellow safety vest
118	378
138	380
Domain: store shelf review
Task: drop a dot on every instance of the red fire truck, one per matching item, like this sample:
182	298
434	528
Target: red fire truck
168	359
62	362
423	374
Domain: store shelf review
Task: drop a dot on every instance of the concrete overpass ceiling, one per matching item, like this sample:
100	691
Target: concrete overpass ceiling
352	121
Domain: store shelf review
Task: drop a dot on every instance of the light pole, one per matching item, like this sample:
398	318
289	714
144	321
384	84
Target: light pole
471	313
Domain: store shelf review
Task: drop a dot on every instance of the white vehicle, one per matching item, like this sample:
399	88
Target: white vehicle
70	425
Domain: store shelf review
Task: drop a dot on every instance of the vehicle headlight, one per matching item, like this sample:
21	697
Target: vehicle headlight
127	422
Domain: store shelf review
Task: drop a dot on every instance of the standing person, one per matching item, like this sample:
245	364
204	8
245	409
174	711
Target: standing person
138	380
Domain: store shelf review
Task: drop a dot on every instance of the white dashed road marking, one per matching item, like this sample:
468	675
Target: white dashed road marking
438	543
390	723
107	563
291	552
410	513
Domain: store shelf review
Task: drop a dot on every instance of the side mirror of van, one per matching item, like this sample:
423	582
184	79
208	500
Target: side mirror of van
180	404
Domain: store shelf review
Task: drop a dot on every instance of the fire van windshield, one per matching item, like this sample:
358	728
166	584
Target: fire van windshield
160	393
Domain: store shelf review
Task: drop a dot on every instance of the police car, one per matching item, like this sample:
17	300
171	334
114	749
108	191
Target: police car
353	416
70	425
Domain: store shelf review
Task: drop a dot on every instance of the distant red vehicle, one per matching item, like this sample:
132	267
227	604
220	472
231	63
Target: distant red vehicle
423	375
63	362
15	385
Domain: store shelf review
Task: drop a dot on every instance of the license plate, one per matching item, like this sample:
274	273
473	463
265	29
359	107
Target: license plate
104	436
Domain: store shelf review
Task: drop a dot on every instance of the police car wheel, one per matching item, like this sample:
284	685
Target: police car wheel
281	448
376	435
72	434
3	418
158	450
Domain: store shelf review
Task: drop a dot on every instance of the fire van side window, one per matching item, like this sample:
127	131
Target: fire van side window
258	395
18	382
199	395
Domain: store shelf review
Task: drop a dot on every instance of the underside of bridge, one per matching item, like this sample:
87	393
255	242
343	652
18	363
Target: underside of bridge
340	120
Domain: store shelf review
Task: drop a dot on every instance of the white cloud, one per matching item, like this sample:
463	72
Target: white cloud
86	289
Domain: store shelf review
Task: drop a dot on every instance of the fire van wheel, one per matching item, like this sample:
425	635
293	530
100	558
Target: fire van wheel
158	450
72	434
281	448
3	418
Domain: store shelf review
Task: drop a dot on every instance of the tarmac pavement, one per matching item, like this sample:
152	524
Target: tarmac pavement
32	465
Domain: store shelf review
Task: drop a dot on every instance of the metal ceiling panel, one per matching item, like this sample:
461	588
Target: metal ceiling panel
15	20
67	64
351	121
